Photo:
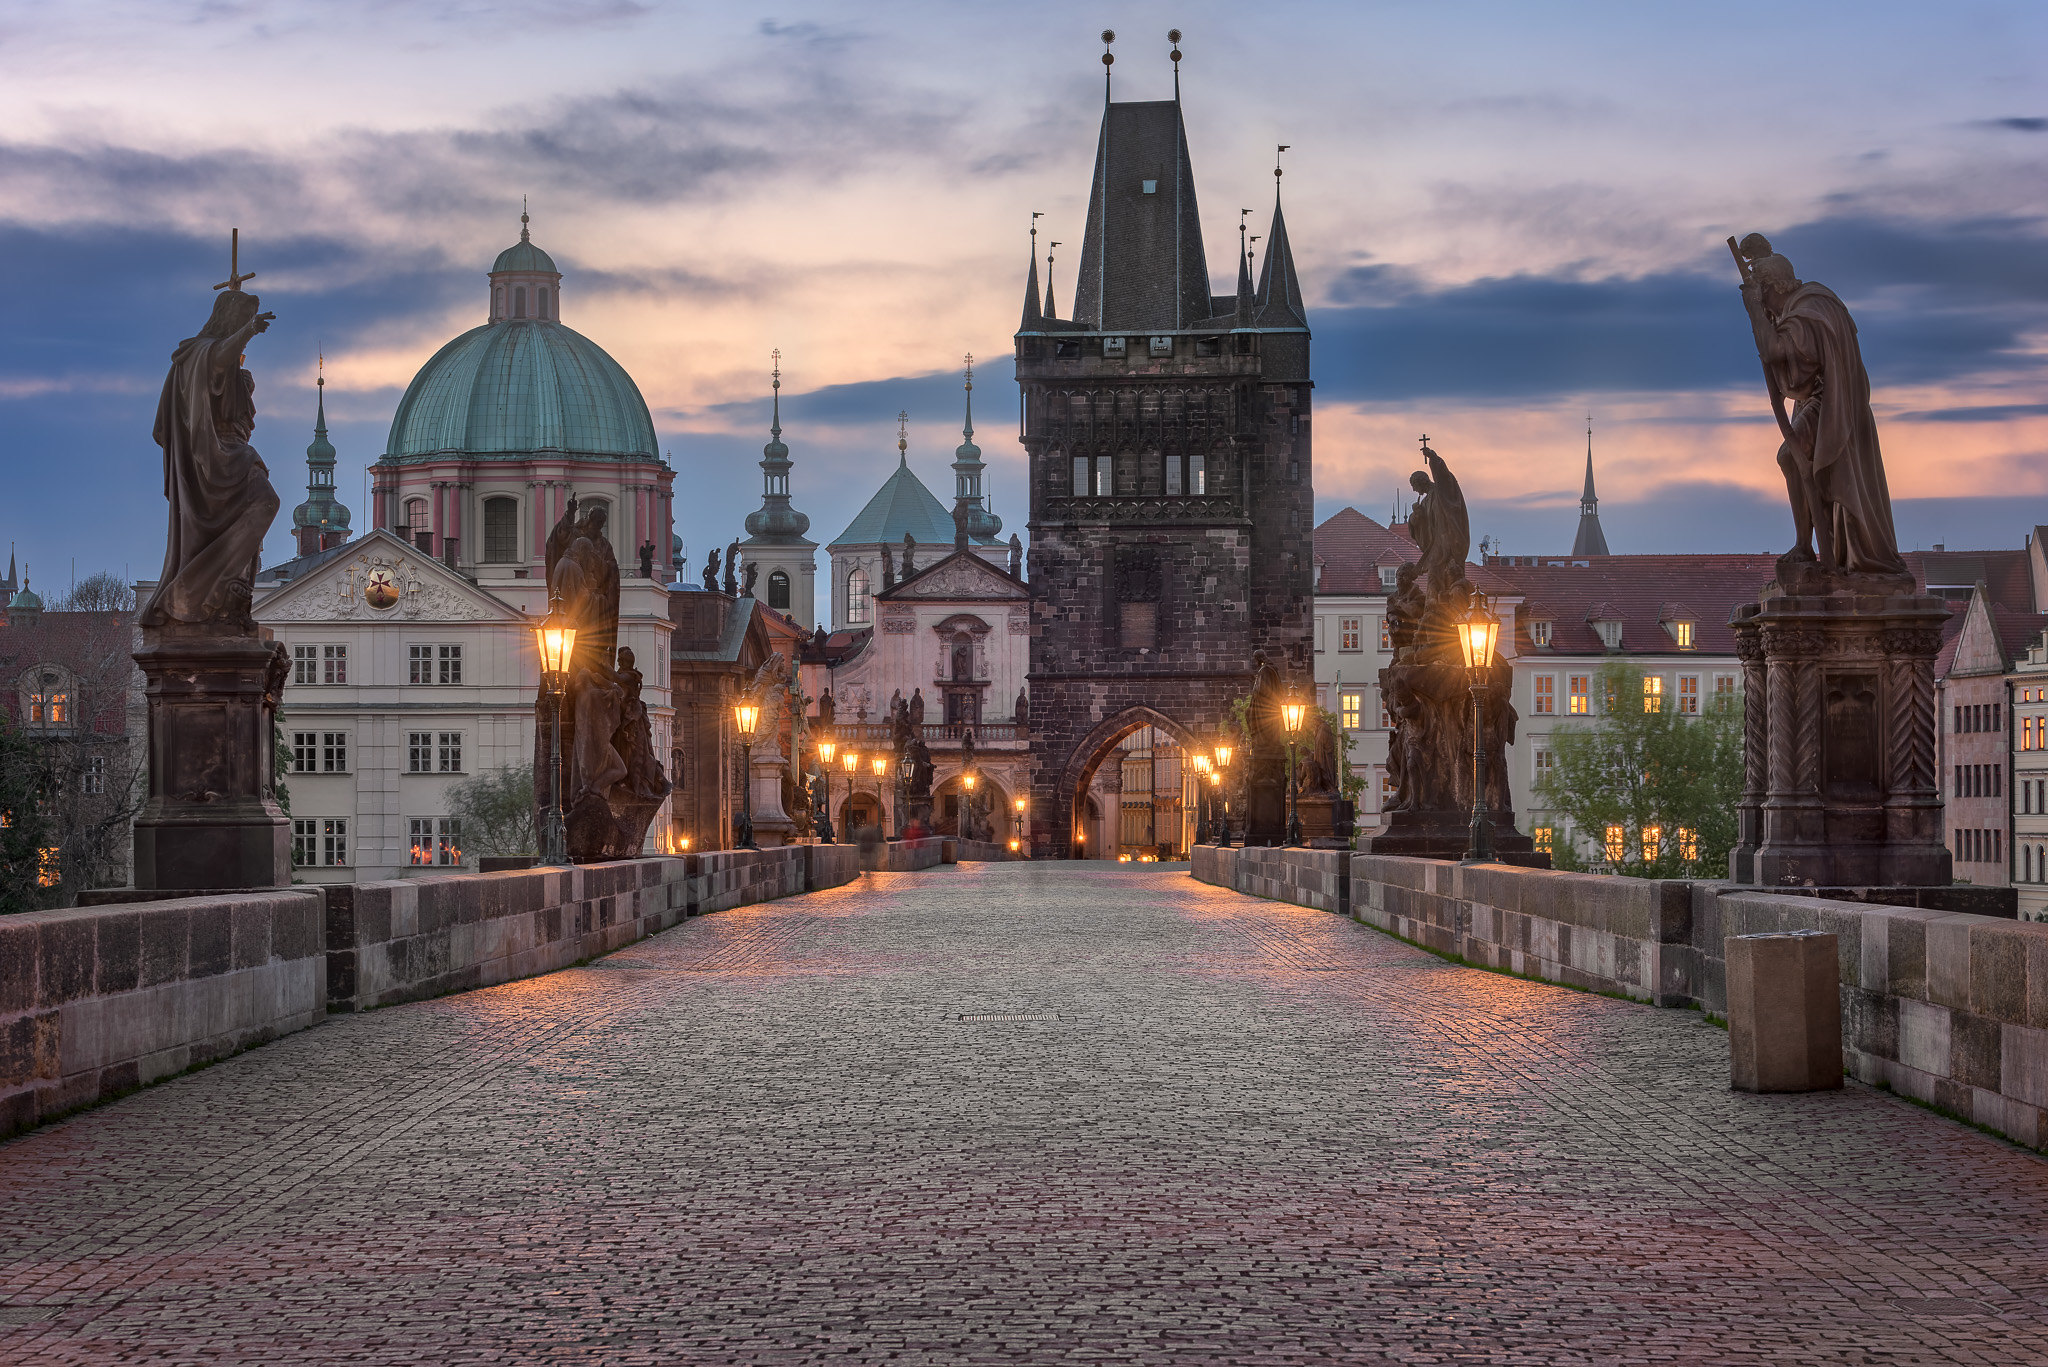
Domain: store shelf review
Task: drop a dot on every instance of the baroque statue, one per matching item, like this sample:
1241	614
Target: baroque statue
711	572
219	489
612	782
1834	471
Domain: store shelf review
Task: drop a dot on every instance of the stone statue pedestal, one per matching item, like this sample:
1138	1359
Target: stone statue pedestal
772	825
1446	834
211	819
1839	782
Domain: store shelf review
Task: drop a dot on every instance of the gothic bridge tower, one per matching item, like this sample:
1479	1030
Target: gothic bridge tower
1171	485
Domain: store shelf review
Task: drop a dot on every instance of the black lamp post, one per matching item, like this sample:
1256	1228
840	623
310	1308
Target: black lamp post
1292	713
1224	750
746	716
1200	764
880	765
556	637
826	749
970	824
1477	636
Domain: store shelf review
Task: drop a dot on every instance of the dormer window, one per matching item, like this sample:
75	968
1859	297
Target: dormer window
1605	619
1390	577
1678	621
1681	632
1113	348
1539	634
1162	346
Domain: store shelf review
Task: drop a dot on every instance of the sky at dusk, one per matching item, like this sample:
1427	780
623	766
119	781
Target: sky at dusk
1505	217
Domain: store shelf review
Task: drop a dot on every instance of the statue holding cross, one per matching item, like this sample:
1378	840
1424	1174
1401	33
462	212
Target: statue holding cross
222	503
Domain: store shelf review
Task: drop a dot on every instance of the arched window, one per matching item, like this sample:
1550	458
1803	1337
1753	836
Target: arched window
542	295
778	590
519	301
501	530
860	603
416	515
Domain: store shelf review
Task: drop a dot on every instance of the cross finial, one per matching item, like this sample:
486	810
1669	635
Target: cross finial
776	356
970	370
320	368
236	275
903	430
523	219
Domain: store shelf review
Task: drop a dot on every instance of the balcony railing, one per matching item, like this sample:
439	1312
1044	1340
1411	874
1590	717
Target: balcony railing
935	733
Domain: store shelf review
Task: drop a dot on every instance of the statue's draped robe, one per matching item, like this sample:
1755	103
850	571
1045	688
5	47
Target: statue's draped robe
1817	363
1442	529
219	489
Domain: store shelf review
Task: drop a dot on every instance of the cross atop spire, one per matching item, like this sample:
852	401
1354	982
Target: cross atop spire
523	220
236	275
903	438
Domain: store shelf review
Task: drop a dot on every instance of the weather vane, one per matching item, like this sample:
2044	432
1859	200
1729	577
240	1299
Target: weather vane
1276	159
1173	37
236	275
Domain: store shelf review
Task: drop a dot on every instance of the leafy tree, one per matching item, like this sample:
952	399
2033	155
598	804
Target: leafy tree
25	826
1674	776
496	812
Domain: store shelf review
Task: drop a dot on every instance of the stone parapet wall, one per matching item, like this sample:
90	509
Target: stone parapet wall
1309	878
96	1001
987	851
830	866
903	856
1947	1007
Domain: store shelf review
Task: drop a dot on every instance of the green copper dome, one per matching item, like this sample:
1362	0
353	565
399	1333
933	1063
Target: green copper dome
521	385
524	256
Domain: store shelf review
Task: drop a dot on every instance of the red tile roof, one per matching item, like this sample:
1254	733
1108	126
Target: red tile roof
1352	547
1638	589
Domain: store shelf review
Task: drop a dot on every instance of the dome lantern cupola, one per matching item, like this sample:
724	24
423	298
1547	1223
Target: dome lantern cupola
775	520
525	286
981	524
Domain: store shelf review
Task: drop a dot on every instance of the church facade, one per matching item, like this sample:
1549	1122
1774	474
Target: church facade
1168	434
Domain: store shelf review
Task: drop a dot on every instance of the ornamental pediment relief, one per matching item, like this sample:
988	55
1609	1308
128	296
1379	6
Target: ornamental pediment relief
960	577
381	579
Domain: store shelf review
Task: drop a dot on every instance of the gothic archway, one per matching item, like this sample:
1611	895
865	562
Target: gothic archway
1123	824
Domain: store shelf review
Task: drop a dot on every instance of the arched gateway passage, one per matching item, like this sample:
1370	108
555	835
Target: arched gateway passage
1125	791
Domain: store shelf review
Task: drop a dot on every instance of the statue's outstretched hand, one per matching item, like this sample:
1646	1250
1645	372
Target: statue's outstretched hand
263	321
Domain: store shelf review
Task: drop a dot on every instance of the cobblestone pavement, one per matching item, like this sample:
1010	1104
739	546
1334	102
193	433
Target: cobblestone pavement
1016	1113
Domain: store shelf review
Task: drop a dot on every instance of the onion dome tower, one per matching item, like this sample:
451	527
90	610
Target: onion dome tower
320	522
971	506
775	531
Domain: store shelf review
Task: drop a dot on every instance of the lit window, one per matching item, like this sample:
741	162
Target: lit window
1653	693
1681	632
49	866
35	708
1689	693
1688	844
1546	692
1353	707
334	664
1577	701
1653	843
1385	644
60	708
320	842
1350	632
450	752
1539	633
1617	844
1543	837
860	603
435	840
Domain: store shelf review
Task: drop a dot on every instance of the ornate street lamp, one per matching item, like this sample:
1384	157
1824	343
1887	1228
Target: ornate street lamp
746	716
1023	832
556	637
1223	751
826	749
1477	636
1200	765
967	781
880	764
1292	713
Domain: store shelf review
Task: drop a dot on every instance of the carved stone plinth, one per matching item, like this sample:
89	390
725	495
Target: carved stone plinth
211	819
1445	834
772	825
1839	783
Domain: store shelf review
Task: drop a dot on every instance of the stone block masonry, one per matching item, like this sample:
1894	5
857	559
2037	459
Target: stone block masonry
1946	1007
96	1001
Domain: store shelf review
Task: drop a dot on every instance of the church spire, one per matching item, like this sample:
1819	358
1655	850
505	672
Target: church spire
971	516
320	522
1034	312
1590	540
1051	309
775	521
1279	288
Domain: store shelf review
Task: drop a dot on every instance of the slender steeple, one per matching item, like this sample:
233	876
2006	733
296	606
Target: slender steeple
1246	301
320	522
1051	309
1279	288
1034	312
775	522
10	583
970	508
1590	540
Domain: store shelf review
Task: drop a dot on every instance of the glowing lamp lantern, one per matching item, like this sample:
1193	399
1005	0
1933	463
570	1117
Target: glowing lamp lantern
851	759
881	765
1020	806
1292	714
746	716
1223	754
826	749
1477	636
556	637
968	781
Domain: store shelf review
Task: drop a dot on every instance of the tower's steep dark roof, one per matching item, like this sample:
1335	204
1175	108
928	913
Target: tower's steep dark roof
1279	289
1142	265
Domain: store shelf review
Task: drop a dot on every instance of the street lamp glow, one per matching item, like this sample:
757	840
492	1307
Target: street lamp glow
968	780
1223	754
881	765
746	716
556	637
851	759
1291	715
826	749
1020	806
1477	636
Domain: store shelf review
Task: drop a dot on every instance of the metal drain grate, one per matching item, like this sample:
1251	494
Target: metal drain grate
1009	1016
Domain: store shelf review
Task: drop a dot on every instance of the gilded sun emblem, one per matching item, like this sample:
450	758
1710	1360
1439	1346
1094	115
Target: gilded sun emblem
380	587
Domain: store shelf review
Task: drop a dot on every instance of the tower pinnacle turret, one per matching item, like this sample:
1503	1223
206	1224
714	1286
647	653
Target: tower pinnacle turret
320	522
972	508
1590	540
775	531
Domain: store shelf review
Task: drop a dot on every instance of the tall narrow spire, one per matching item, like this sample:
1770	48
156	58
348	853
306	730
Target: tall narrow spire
1591	540
972	519
320	522
1245	299
775	522
1051	309
1280	303
1034	312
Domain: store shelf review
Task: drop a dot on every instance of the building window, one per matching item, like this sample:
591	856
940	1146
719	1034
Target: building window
1689	694
1539	633
1653	692
1546	693
1543	837
1577	701
320	842
501	531
519	301
1688	844
1385	644
433	664
49	866
1186	473
1653	843
419	752
419	662
1724	691
305	664
450	660
334	664
94	779
1616	844
778	590
1351	634
541	297
450	752
1681	632
1352	710
334	752
305	752
1541	770
416	516
860	603
435	840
